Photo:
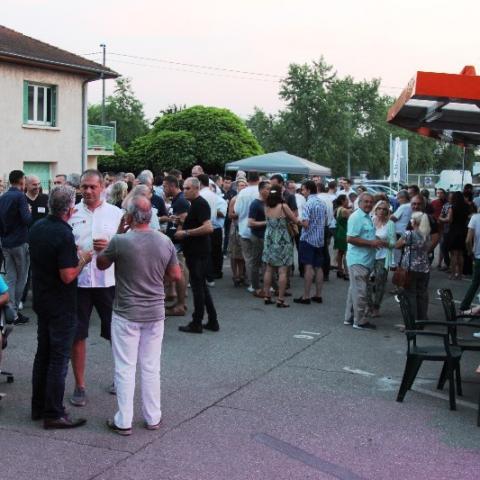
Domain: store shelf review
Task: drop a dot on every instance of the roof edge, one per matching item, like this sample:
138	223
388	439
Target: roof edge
107	73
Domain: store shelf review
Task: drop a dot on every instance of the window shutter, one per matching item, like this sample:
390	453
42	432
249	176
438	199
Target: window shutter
54	106
25	102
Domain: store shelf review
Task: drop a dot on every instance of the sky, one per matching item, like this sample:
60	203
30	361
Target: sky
387	39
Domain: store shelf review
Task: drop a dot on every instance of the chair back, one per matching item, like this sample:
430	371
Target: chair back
448	304
406	309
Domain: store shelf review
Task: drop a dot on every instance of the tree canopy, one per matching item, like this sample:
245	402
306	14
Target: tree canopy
207	136
123	108
327	117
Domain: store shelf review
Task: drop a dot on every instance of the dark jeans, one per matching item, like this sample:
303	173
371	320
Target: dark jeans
472	290
417	293
226	235
197	266
444	250
326	253
216	267
55	336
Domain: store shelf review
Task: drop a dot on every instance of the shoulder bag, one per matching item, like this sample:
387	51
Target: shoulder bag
291	227
401	276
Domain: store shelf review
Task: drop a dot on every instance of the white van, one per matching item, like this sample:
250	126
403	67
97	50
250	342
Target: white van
451	180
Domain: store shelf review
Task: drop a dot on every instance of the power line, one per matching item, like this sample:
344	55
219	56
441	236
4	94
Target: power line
193	71
92	53
207	67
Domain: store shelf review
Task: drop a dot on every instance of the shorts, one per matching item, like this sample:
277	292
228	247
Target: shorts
102	300
310	255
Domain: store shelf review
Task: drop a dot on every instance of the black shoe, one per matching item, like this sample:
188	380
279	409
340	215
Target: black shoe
191	328
21	319
62	423
303	301
349	321
365	326
212	326
317	299
125	432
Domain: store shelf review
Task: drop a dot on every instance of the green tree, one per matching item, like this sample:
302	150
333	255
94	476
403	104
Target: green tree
123	108
208	136
327	117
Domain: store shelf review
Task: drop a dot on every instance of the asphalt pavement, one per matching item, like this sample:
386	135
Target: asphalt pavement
276	394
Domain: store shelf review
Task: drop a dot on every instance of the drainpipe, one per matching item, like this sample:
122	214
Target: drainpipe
84	124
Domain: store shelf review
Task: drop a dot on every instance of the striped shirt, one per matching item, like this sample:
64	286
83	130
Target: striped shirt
315	212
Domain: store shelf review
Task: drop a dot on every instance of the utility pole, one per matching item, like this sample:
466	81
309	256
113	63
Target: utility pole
103	83
349	129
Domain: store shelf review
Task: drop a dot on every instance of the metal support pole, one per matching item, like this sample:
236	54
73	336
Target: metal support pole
103	83
464	158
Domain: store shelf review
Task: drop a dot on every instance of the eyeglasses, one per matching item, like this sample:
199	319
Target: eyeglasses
415	204
187	188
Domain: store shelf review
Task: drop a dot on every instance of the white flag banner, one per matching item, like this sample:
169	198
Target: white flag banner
399	160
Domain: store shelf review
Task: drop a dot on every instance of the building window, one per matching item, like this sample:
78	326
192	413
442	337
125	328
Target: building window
39	104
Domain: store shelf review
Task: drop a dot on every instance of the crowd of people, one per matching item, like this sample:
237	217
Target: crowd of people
130	246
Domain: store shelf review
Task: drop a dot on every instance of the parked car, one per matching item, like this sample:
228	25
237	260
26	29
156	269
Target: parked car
376	188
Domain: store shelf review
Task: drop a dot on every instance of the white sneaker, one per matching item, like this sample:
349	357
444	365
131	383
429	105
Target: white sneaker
250	289
20	306
211	284
476	334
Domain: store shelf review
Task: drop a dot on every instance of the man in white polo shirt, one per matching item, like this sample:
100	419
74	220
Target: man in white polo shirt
94	223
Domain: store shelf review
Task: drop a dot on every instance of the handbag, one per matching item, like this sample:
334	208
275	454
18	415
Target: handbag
292	228
401	276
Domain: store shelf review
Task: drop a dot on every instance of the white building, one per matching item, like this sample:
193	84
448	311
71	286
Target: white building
43	114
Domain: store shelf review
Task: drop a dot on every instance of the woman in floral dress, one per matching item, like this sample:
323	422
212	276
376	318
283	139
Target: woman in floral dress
278	245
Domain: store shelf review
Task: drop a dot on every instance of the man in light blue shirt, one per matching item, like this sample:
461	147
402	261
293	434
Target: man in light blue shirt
242	208
403	213
360	260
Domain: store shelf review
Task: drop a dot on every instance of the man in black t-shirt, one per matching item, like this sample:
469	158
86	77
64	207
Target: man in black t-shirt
176	216
278	181
195	234
38	201
257	223
56	264
229	193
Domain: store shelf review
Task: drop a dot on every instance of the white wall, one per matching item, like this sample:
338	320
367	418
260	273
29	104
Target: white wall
62	144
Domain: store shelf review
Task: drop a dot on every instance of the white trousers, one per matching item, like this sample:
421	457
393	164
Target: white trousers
132	341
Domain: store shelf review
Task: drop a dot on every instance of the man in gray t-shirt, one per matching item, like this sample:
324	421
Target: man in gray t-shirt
142	257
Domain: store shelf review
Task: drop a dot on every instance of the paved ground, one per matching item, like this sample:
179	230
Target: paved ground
281	394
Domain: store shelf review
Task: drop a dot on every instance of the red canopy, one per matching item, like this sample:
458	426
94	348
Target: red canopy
441	105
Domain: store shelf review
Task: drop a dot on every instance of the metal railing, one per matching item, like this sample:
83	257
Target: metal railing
101	137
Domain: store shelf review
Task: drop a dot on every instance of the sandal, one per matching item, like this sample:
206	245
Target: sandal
268	300
282	304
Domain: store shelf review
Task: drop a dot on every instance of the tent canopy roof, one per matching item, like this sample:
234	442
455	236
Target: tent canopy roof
281	162
441	105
